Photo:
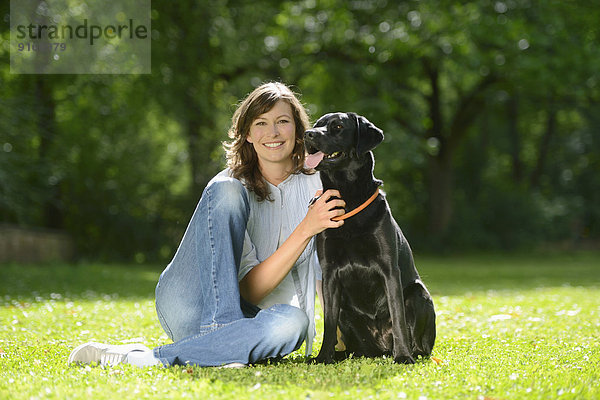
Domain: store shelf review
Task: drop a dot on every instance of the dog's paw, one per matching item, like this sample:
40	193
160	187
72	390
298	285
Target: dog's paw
421	354
320	360
404	360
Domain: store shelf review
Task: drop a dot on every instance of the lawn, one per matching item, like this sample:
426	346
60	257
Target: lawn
509	327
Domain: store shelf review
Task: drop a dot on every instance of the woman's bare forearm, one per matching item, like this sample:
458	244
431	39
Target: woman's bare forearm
264	277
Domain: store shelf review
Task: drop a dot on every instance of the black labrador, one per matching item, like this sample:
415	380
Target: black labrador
371	288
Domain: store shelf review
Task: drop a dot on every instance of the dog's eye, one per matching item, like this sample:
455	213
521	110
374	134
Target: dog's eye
339	126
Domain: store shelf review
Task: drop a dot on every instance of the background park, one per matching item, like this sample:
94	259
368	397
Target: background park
491	164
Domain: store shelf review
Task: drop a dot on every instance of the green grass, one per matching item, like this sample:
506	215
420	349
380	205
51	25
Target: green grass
509	327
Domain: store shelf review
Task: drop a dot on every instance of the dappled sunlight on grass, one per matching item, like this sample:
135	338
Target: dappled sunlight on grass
508	327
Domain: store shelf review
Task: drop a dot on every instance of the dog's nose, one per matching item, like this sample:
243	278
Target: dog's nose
310	134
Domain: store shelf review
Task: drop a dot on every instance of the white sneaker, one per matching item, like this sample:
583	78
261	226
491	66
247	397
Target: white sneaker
103	354
233	365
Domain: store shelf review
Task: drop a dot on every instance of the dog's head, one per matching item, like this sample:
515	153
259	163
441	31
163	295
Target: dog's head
338	138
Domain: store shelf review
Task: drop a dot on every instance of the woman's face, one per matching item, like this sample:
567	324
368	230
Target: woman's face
273	136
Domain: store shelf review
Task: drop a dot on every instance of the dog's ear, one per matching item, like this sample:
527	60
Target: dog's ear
368	136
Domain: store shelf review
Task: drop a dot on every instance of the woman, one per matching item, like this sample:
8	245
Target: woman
241	286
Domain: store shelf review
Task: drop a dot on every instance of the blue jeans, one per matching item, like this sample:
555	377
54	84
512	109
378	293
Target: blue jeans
198	299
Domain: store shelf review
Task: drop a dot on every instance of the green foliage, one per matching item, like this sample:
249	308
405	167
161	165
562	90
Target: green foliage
508	327
489	110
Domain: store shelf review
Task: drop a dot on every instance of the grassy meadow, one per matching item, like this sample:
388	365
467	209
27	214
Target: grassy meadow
509	327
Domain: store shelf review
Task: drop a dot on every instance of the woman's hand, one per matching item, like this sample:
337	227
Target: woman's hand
321	212
264	277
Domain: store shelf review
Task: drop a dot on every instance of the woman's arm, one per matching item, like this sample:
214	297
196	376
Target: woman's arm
263	278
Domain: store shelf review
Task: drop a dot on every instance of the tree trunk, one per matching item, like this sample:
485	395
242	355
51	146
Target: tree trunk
470	105
51	209
440	193
515	140
544	148
440	162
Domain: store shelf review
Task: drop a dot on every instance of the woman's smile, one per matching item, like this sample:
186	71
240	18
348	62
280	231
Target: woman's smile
274	145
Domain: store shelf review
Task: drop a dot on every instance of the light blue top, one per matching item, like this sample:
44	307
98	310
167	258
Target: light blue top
269	225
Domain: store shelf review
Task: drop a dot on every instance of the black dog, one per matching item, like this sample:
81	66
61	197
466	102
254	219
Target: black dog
371	288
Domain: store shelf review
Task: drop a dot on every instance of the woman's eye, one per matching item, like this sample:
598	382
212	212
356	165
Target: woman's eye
260	123
283	121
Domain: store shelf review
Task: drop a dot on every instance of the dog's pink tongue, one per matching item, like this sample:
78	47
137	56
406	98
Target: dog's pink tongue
312	160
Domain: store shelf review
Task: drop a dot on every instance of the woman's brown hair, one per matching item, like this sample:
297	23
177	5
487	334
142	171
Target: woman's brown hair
241	156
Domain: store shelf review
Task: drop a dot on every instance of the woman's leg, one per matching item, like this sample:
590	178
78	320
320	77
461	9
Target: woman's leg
274	332
197	297
198	300
199	289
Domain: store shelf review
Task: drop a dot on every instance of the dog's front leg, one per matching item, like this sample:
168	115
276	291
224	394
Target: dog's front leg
395	298
331	312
